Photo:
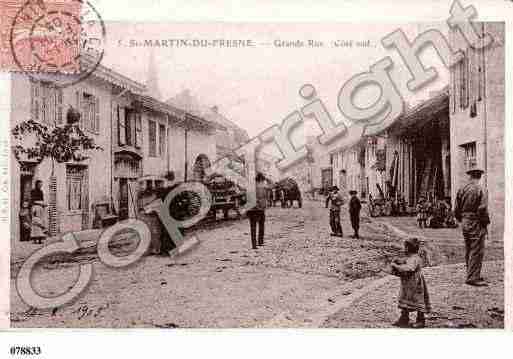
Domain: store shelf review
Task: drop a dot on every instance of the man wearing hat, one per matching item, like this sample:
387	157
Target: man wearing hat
337	201
472	211
354	212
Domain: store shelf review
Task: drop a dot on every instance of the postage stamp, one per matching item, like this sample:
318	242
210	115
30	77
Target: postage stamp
59	38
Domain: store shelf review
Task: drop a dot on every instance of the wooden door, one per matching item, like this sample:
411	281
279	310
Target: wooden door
77	195
123	198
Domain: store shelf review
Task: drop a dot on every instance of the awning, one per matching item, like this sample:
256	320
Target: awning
176	115
424	112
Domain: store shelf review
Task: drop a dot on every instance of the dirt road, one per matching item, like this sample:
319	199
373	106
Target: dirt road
298	275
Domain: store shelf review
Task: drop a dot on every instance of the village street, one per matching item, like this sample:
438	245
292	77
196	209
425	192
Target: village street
302	277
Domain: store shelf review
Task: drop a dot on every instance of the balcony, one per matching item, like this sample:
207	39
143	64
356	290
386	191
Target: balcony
128	149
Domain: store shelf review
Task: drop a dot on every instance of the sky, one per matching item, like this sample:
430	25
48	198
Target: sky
258	87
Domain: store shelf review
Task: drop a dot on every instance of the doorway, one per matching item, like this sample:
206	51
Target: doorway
123	198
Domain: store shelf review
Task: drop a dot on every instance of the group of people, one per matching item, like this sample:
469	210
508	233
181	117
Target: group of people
471	209
436	214
275	195
335	200
32	216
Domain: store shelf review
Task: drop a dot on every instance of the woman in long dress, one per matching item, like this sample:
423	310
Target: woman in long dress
38	229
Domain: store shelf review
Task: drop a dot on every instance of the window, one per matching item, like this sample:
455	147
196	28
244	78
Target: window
152	138
46	102
129	127
331	159
89	110
470	155
162	140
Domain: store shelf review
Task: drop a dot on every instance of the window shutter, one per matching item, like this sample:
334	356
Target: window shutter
152	138
121	126
58	101
96	114
36	99
78	103
138	130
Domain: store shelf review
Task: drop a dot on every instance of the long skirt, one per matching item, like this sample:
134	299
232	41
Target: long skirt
414	295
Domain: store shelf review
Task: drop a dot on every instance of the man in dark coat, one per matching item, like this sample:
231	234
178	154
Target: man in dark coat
256	215
354	213
472	211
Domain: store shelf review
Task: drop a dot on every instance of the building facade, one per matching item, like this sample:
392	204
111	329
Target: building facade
228	135
428	149
144	142
477	117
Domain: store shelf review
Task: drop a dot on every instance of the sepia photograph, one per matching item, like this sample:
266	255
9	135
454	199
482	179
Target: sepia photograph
254	175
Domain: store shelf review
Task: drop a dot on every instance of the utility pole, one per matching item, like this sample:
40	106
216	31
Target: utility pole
185	151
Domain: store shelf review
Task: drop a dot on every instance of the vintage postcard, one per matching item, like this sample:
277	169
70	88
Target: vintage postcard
253	175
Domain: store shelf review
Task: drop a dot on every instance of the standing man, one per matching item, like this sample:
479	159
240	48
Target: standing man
336	203
282	198
354	213
256	214
472	211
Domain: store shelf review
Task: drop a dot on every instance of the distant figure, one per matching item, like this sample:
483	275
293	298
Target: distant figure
337	201
421	213
25	222
283	198
38	229
472	211
413	296
437	215
354	213
269	195
256	214
37	193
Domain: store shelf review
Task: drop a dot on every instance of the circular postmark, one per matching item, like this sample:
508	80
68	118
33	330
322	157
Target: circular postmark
60	40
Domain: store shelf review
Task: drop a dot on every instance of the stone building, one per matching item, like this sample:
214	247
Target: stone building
74	186
409	159
228	135
417	152
477	117
152	147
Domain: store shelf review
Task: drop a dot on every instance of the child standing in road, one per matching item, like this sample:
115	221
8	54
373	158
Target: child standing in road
413	295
